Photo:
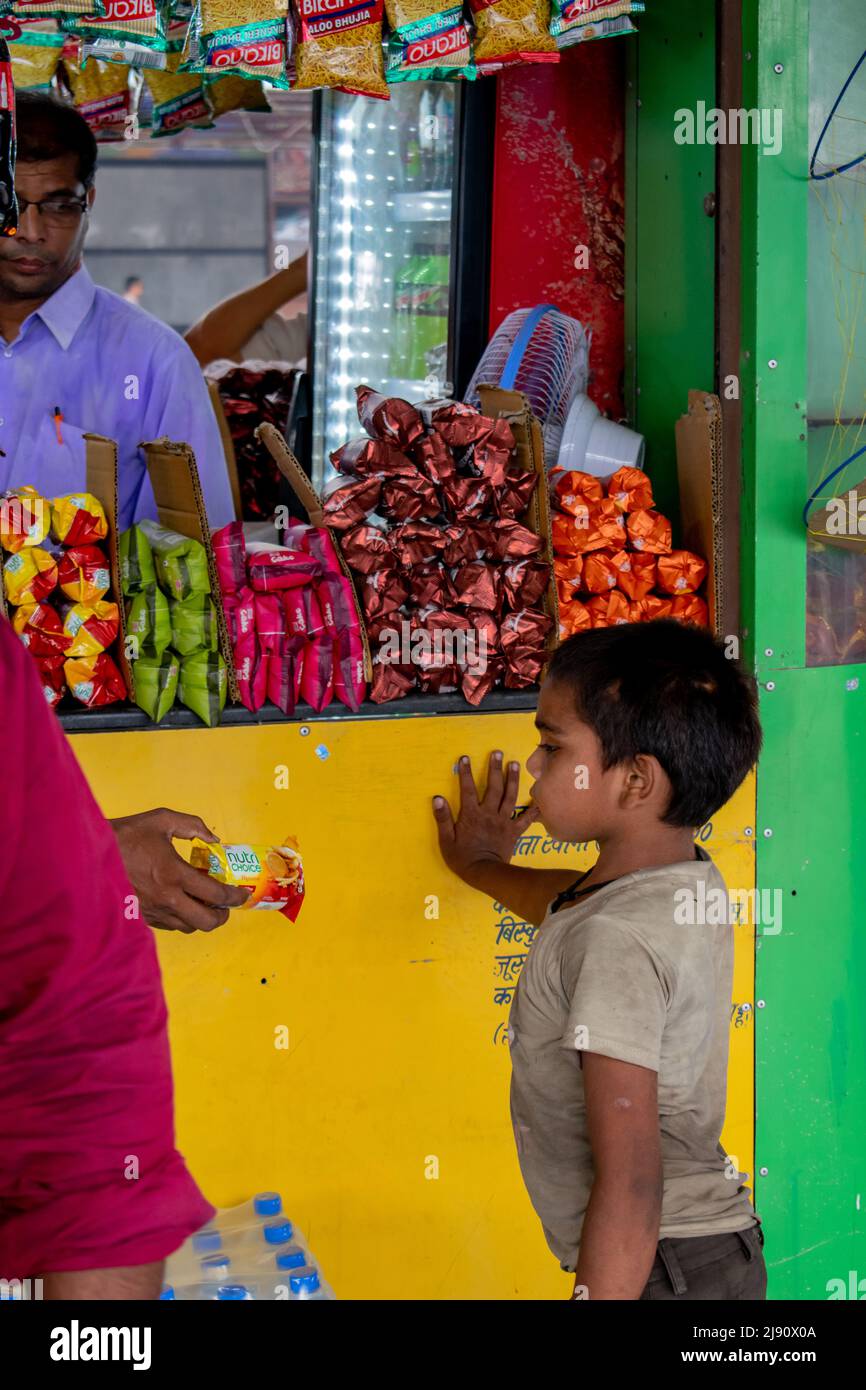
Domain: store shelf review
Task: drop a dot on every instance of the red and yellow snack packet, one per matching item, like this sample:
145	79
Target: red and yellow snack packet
29	576
78	519
635	572
648	531
630	489
52	679
571	490
40	629
91	627
94	680
25	519
275	874
681	572
83	574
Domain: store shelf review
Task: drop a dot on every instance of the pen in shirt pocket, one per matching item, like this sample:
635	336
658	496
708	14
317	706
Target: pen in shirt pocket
58	420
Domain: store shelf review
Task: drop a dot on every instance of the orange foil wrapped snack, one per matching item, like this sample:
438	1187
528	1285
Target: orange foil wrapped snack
649	531
567	571
688	608
94	680
275	874
635	572
574	617
599	574
83	574
570	491
29	576
600	527
630	489
681	572
609	610
78	519
25	519
643	610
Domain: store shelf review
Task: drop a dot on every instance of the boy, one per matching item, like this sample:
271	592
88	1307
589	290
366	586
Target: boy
619	1023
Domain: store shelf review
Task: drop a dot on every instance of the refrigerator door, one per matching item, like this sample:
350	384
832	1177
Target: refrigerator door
383	269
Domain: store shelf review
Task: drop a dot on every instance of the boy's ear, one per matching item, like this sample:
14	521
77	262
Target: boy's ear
641	779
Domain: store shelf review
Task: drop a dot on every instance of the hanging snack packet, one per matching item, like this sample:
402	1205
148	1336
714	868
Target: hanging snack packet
53	9
83	574
180	561
148	623
235	94
340	45
103	94
95	680
35	53
512	31
78	519
139	22
429	41
194	625
202	685
133	55
25	519
91	626
136	561
29	576
274	874
248	40
178	98
156	680
572	21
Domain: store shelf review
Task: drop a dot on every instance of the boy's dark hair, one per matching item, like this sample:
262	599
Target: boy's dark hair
47	129
668	690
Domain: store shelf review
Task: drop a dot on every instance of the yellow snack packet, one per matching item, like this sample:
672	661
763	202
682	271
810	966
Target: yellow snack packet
25	519
92	627
79	519
275	873
29	576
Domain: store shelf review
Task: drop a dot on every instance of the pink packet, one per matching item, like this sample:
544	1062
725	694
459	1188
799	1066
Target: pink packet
252	672
281	569
295	610
313	612
285	669
230	554
350	687
317	677
318	543
336	601
293	536
270	622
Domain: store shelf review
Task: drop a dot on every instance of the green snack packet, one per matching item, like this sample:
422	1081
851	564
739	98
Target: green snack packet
136	561
156	679
148	621
194	625
203	684
181	563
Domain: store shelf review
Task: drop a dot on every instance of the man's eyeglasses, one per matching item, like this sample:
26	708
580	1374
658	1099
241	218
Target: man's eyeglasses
56	212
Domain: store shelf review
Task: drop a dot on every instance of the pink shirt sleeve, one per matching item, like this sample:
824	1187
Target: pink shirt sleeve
89	1175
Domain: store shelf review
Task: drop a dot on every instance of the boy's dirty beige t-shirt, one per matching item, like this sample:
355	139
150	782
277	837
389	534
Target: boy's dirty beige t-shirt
615	973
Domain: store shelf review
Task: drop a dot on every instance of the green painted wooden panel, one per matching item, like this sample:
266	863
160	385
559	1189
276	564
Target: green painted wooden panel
670	265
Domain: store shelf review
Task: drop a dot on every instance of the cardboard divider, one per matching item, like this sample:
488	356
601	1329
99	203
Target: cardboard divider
180	506
228	446
701	481
309	499
101	482
514	407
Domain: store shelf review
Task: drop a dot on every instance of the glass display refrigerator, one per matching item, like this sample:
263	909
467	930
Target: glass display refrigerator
400	249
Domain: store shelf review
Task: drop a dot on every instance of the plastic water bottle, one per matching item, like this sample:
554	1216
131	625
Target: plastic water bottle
291	1257
304	1283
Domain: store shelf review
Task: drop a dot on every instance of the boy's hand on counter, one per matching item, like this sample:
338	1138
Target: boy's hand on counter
171	894
484	832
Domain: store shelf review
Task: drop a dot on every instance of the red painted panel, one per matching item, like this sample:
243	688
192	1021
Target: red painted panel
558	184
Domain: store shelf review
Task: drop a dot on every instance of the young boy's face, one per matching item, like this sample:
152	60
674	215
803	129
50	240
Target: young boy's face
575	798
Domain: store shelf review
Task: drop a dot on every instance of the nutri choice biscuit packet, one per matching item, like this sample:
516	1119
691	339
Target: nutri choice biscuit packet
275	874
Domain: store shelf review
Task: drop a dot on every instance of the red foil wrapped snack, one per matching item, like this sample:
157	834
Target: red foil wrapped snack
599	574
477	682
412	542
688	608
434	457
350	504
336	604
270	622
408	499
511	541
571	491
681	572
476	585
466	499
483	634
630	489
383	592
230	554
459	425
94	680
491	456
388	417
367	548
525	671
280	569
350	685
430	585
649	531
635	573
366	458
522	633
524	582
390	682
41	630
644	610
462	543
317	542
317	677
574	617
515	494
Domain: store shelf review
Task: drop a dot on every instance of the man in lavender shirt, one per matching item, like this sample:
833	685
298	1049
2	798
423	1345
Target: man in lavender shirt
109	368
69	345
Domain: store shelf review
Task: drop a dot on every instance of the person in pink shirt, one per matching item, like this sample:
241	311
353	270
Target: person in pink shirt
93	1193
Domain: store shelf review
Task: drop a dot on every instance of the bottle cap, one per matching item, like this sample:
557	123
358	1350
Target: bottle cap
305	1281
293	1258
267	1204
227	1292
168	1292
204	1242
277	1232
